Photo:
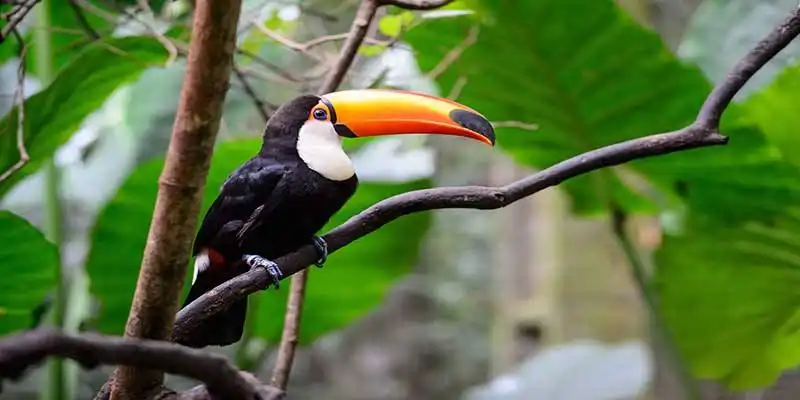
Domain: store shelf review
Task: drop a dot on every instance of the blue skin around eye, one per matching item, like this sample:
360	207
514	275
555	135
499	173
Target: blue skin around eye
320	114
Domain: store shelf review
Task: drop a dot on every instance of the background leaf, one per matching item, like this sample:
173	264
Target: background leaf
30	266
54	114
773	109
731	300
729	280
579	85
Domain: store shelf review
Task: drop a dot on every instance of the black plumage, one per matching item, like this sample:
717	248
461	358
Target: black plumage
270	206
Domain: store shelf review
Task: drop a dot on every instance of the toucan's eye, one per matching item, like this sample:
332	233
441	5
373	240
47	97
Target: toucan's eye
320	114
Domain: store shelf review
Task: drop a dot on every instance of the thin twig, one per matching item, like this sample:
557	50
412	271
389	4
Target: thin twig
304	47
15	17
294	303
640	276
260	105
19	100
453	55
97	11
763	51
82	21
458	86
291	332
268	65
20	352
702	133
515	124
358	31
419	5
168	45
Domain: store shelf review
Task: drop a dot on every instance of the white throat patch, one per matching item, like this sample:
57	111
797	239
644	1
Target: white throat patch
321	149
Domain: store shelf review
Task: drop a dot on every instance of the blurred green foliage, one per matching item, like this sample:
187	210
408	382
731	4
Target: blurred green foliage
726	275
589	79
52	115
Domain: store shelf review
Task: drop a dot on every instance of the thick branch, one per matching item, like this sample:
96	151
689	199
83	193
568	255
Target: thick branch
22	351
180	186
703	132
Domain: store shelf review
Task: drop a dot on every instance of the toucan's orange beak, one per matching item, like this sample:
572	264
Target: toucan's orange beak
374	112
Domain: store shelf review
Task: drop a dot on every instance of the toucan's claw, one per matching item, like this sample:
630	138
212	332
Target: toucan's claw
260	262
322	248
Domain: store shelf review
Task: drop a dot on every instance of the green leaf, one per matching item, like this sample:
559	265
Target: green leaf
727	183
728	282
356	278
55	113
604	80
772	109
371	50
30	271
730	298
393	24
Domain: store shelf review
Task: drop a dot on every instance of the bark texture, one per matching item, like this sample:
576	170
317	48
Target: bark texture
180	187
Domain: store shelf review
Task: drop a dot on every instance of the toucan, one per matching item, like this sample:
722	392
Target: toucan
279	199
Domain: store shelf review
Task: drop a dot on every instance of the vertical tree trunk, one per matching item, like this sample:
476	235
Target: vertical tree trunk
181	186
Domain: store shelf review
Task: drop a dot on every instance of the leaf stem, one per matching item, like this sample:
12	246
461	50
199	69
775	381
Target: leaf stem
656	321
58	387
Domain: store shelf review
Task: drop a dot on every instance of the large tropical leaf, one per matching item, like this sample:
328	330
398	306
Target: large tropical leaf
54	114
29	266
730	298
594	78
369	265
586	78
774	110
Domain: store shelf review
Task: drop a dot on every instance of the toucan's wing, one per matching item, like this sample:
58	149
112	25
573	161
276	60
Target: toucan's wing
242	196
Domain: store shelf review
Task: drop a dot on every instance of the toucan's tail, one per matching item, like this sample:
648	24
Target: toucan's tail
223	328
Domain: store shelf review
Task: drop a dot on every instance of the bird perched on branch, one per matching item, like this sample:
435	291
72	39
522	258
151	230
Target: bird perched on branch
278	200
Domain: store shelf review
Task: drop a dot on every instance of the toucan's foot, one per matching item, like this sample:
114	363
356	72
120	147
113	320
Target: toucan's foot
322	248
260	262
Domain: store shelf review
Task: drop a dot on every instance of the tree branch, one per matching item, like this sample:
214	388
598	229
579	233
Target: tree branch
260	105
25	350
15	16
181	186
358	31
721	96
419	5
82	21
703	132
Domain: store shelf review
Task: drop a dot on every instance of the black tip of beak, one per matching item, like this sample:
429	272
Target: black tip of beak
474	122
